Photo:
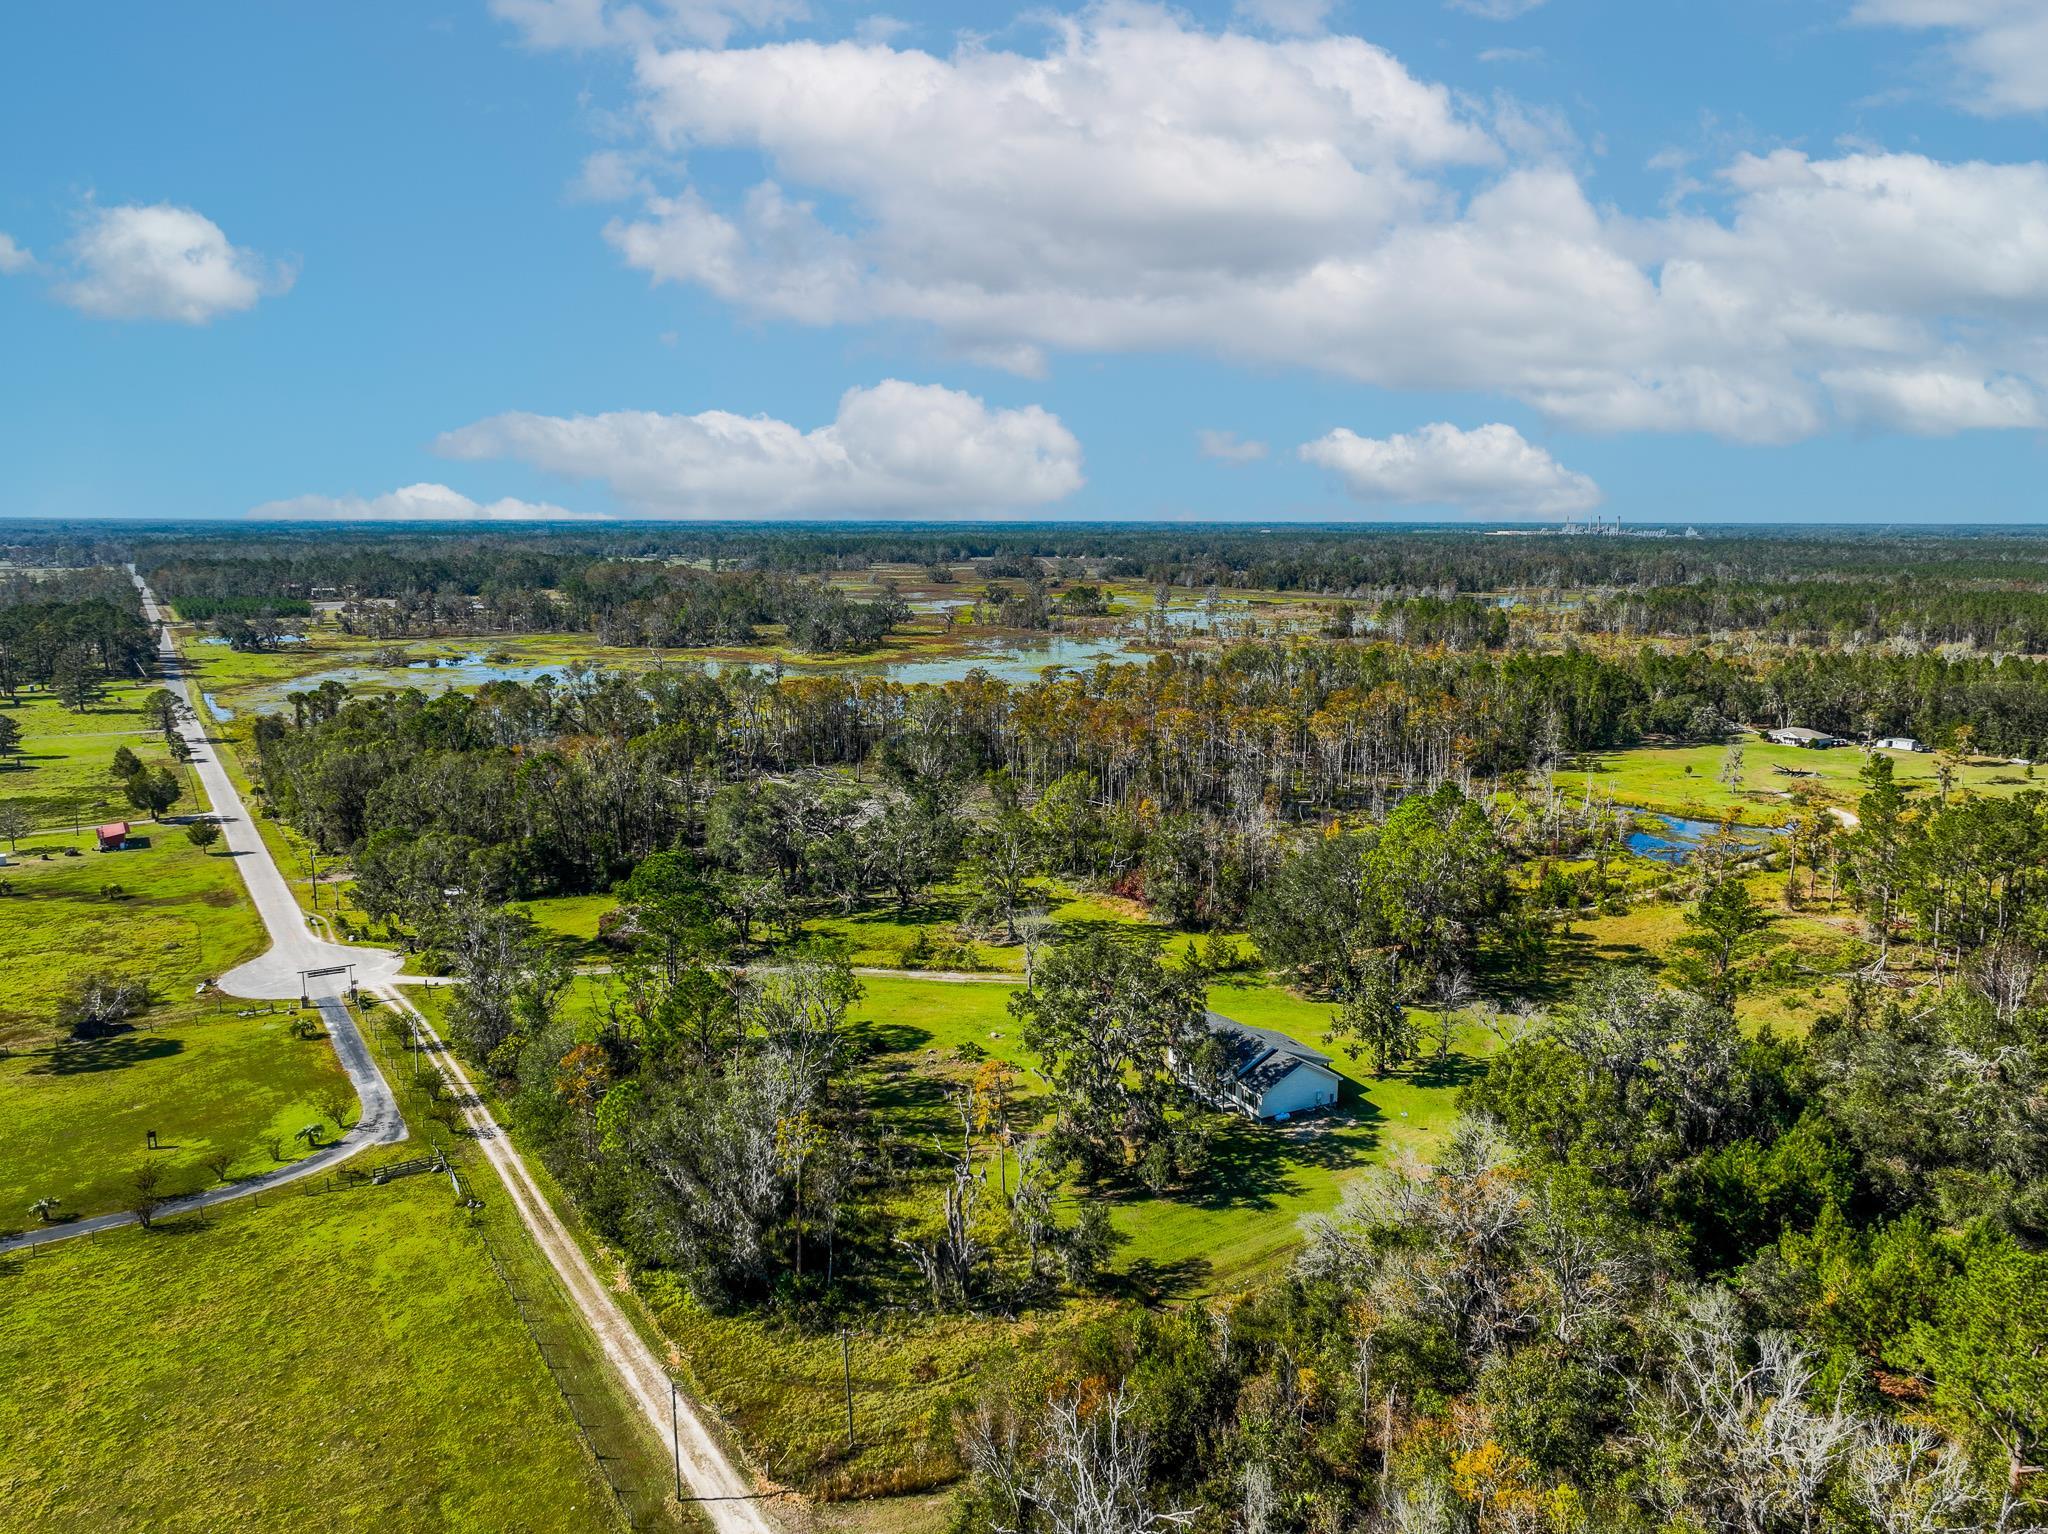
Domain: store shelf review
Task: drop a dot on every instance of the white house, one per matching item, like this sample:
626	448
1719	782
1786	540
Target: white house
1811	740
1267	1075
1902	743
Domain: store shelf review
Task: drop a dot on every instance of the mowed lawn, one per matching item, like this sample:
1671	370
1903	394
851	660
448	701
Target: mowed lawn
64	777
73	1114
1244	1221
340	1360
1685	780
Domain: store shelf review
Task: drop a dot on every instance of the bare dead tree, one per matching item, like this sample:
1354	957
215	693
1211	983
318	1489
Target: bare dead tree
2004	975
951	1260
1909	1481
1743	1439
1090	1474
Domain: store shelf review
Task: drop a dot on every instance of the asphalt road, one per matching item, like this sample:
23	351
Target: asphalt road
294	949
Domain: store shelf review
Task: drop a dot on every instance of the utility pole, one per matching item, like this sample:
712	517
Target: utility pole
846	1374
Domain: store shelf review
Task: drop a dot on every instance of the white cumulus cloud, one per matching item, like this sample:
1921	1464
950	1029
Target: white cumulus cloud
160	262
1490	469
1934	403
413	503
1143	184
14	258
1997	50
894	448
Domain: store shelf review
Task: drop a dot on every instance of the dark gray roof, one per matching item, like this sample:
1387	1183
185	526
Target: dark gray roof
1236	1035
1257	1059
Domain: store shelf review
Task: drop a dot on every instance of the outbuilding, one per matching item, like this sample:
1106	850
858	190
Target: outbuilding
113	835
1902	743
1267	1075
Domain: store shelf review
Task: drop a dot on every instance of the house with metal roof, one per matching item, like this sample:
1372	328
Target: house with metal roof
1266	1075
1811	740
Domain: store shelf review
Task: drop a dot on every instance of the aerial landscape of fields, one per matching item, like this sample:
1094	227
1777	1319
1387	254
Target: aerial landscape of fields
1218	767
887	1050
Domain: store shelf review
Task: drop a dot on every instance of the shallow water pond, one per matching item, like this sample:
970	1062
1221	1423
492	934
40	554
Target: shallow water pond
1676	840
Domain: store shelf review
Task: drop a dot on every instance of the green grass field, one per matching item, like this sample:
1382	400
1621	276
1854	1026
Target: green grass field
344	1359
64	777
1685	780
182	917
73	1117
73	1114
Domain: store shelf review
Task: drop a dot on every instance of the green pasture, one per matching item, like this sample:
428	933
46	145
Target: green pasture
344	1358
64	777
73	1117
73	1114
180	917
1685	780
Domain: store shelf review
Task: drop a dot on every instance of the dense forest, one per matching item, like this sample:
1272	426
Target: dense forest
70	632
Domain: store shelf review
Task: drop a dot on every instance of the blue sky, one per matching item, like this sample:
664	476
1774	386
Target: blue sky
1746	260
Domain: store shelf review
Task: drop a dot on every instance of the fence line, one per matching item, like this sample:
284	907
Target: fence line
583	1433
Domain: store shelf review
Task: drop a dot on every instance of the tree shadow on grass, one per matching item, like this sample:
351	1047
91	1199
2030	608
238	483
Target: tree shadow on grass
1454	1070
1151	1283
1253	1166
79	1057
191	1223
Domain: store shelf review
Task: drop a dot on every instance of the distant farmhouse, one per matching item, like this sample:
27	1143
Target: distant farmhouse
1811	740
1267	1075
